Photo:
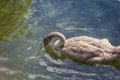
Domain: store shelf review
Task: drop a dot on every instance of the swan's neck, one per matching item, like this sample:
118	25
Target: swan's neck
58	35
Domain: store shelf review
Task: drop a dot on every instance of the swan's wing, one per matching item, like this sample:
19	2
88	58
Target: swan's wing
81	50
102	44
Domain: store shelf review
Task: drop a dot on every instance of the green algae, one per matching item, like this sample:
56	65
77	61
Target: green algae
51	52
12	17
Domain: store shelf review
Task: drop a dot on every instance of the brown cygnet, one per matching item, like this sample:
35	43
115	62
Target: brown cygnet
85	49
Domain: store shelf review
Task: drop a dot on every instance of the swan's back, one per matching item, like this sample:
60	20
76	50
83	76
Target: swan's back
86	49
99	43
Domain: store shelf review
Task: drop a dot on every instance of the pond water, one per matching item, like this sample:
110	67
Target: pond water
24	23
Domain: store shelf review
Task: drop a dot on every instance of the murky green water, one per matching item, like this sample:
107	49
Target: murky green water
24	23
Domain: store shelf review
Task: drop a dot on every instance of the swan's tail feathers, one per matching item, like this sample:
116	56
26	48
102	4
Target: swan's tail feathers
118	50
116	53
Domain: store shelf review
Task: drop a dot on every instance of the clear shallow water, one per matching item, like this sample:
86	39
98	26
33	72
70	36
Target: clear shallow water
24	58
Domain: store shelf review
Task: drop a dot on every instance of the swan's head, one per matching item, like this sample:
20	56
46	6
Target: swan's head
51	35
47	40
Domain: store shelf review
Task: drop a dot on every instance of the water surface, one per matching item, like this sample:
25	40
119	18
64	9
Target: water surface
24	23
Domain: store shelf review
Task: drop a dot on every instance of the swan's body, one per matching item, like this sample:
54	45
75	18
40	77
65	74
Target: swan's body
84	49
